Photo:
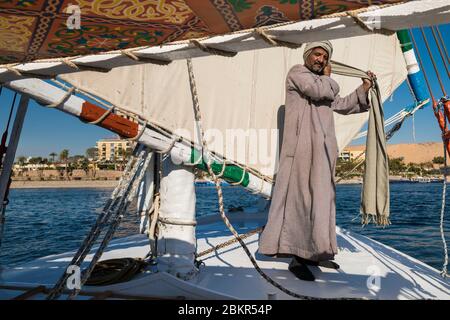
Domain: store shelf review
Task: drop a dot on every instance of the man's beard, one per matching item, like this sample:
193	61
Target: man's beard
317	69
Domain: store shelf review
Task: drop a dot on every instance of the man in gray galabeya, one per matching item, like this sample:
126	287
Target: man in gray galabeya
302	216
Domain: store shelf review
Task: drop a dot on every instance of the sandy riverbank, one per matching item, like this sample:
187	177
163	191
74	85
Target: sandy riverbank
113	183
64	184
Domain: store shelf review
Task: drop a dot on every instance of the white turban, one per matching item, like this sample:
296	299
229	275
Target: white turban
325	45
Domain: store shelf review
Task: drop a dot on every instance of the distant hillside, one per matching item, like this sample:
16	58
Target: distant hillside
411	152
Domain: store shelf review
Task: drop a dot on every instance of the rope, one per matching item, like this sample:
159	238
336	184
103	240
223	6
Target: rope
130	54
240	181
197	114
229	242
140	133
103	116
443	44
422	68
114	271
354	15
63	99
444	272
224	165
440	50
110	109
172	144
69	63
389	135
211	50
398	117
177	222
152	230
432	60
112	209
271	40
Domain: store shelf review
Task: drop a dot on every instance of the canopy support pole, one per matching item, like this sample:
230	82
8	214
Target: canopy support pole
9	157
181	152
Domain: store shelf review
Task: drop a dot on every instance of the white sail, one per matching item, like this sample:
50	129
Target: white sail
240	95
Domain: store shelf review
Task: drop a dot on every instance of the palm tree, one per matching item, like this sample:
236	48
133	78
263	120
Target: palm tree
63	157
53	155
21	160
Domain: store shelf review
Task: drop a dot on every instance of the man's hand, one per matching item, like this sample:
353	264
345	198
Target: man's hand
367	84
327	70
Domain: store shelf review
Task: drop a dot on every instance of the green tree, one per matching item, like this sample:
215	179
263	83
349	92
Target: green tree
91	153
53	155
63	157
438	160
343	168
396	165
21	160
35	160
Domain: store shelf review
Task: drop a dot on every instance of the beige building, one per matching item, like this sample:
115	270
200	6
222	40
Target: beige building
113	149
352	152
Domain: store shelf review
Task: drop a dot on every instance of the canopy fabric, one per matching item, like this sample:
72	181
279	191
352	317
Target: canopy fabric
243	93
37	29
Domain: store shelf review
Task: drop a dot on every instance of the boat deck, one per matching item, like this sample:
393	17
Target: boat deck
369	270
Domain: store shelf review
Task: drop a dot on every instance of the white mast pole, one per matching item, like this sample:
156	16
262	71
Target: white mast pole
176	223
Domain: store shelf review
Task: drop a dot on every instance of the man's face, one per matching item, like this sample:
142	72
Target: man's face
317	60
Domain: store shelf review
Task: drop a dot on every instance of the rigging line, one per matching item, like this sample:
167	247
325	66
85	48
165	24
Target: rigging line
444	272
416	48
443	43
440	50
432	60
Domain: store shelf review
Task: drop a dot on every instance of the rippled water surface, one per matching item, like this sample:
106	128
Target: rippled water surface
40	222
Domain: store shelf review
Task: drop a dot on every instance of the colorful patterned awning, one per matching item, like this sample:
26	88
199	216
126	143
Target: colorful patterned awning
36	29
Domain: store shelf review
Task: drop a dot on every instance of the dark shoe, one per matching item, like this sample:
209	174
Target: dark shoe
329	264
300	270
325	264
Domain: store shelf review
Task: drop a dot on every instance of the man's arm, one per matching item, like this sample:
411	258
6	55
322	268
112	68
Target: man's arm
355	102
311	85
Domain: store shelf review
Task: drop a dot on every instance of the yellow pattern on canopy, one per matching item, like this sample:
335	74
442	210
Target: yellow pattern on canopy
37	29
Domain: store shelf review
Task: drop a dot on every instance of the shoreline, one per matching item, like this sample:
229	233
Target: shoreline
16	184
54	184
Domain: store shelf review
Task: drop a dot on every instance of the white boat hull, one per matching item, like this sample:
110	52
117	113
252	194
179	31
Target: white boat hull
369	270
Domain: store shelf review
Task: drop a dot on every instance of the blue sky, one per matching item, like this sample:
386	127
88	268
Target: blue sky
46	130
425	124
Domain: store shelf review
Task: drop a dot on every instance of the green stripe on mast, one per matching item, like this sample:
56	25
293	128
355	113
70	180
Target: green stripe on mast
231	173
405	40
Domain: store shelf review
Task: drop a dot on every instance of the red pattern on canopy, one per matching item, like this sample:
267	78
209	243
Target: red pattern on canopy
36	29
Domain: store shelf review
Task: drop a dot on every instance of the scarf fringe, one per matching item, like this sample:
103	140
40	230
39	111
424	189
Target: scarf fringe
380	220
